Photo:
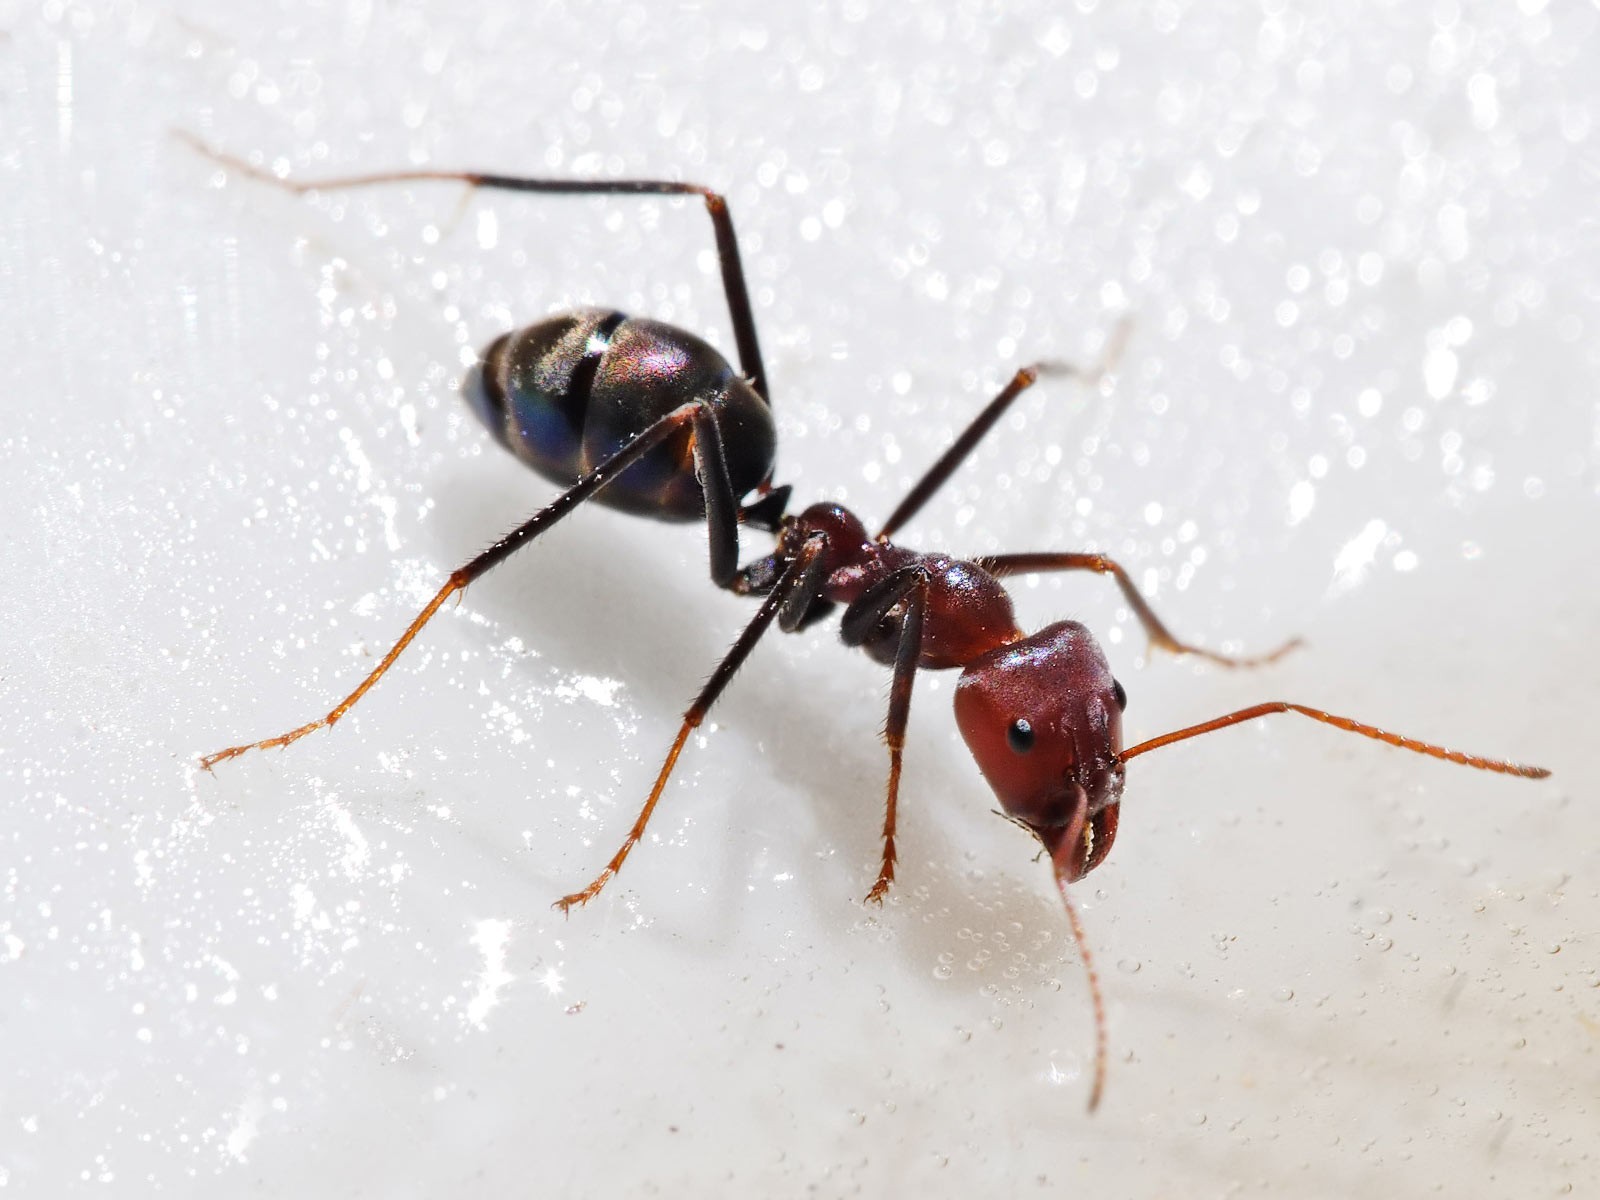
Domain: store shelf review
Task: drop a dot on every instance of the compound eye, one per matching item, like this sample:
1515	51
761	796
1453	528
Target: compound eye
1020	735
1119	695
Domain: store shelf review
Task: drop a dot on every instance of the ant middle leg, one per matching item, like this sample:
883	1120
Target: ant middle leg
733	282
1160	636
721	518
800	583
940	472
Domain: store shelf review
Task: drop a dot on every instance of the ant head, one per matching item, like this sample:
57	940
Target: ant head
1043	718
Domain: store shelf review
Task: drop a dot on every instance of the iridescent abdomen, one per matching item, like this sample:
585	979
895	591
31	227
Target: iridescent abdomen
566	394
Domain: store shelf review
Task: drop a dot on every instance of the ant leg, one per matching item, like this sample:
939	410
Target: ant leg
695	414
1498	765
1161	637
793	592
733	284
908	585
1024	379
721	505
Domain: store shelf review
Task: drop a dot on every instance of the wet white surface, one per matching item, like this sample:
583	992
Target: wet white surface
1360	247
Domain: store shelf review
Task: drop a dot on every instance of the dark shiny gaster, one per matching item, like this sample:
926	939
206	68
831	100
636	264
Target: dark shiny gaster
566	394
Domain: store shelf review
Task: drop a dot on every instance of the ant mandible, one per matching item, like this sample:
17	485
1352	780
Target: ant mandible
648	418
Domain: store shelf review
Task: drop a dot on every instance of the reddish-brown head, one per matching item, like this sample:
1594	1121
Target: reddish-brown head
1043	717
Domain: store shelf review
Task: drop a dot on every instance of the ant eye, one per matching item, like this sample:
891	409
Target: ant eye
1120	695
1020	735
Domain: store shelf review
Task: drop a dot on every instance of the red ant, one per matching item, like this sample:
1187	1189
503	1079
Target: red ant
650	419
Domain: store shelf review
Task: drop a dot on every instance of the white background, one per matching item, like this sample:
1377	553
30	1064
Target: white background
1360	246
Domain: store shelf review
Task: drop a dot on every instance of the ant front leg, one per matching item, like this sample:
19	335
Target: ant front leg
1002	565
733	283
908	586
721	517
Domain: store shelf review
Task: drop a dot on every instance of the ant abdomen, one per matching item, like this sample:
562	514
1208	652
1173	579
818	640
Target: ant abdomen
567	393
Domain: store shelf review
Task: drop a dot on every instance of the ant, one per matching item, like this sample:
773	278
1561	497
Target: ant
650	419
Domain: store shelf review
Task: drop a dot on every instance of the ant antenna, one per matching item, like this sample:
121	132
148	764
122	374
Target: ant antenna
1062	843
1099	1085
1499	765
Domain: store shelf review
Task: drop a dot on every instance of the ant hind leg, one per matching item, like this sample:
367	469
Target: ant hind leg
721	517
733	282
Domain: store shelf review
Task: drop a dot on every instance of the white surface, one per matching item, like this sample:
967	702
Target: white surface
1360	405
